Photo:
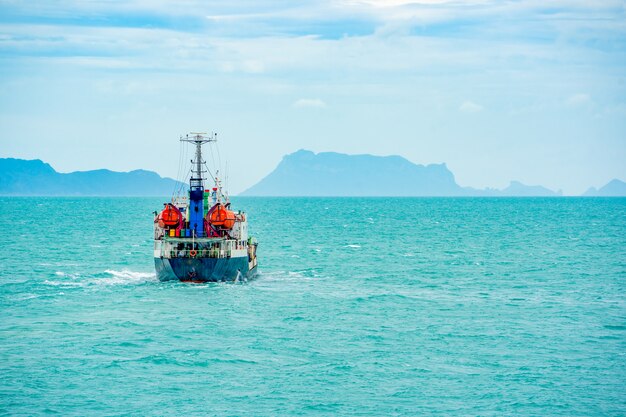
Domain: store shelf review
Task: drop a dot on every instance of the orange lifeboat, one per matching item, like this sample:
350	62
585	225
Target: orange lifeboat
170	216
220	216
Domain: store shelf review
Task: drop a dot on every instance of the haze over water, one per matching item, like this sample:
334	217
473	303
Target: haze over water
363	306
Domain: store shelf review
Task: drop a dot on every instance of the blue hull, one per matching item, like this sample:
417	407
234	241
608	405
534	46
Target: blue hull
203	269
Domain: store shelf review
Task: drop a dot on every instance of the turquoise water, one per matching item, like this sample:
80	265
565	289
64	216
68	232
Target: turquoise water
363	307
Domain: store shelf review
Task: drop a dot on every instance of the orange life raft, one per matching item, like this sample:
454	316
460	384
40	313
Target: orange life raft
170	216
220	216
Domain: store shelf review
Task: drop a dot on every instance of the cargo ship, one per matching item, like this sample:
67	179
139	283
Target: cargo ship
198	237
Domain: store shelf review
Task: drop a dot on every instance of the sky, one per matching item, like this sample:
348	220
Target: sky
526	90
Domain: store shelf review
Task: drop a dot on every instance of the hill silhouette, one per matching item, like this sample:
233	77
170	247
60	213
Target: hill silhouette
614	188
304	173
35	177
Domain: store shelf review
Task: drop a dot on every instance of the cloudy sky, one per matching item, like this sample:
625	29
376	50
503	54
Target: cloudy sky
527	90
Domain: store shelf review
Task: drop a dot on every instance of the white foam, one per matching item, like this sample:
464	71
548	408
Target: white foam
64	283
353	246
279	275
123	277
293	276
126	277
66	275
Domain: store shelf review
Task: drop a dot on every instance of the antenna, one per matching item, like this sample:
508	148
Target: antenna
196	186
227	176
198	139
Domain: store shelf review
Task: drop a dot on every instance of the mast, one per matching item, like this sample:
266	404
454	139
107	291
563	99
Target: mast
196	185
198	139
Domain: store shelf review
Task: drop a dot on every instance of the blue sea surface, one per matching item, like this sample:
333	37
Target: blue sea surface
363	307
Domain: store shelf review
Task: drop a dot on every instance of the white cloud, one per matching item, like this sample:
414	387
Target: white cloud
470	107
398	61
578	100
309	102
394	3
250	66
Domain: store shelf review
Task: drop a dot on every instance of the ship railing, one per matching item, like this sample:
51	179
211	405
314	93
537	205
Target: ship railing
200	253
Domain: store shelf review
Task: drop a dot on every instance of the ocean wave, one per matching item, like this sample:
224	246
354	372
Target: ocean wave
108	277
304	274
126	276
66	275
278	275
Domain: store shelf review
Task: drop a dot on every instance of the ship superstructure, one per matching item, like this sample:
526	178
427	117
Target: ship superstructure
197	236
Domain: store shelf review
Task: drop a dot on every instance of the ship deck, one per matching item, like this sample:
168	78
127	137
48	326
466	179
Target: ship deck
194	239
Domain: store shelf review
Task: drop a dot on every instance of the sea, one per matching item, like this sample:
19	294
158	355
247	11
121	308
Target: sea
362	307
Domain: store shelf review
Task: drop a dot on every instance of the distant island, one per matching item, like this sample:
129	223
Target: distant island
302	173
614	188
305	173
19	177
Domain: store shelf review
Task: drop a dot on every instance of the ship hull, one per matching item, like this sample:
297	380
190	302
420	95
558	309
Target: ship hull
204	269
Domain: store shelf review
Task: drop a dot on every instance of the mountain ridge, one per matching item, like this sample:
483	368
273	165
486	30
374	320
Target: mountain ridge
305	173
308	173
351	175
20	177
614	188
